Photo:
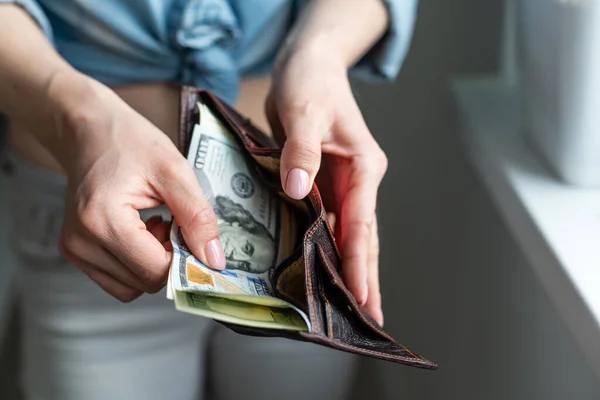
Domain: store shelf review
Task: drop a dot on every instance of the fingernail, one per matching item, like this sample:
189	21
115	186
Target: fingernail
215	255
297	184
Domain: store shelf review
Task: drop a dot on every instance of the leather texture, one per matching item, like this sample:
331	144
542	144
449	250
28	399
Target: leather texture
337	320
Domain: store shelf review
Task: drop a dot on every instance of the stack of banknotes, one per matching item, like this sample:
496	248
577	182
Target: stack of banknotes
257	232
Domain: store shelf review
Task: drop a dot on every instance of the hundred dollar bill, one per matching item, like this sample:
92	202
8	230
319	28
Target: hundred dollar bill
251	221
169	287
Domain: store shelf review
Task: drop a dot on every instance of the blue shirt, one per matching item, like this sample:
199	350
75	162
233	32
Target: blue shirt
205	43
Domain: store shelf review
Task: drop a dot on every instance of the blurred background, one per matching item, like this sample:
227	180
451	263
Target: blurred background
457	286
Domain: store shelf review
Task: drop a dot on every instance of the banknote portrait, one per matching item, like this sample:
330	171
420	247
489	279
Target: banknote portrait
248	245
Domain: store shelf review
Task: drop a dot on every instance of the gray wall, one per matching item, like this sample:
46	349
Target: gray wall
456	286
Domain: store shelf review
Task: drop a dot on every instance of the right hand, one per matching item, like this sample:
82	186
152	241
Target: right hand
117	163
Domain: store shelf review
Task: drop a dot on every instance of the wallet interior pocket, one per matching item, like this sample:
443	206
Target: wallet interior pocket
289	280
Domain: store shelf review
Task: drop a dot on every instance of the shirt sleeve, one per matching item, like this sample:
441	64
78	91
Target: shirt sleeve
37	14
384	59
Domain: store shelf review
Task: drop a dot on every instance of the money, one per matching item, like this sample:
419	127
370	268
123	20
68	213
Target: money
251	221
237	312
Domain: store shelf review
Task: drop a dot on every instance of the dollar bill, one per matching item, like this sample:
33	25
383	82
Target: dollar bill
169	287
236	312
251	221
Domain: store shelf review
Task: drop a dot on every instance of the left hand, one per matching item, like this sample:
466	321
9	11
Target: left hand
312	110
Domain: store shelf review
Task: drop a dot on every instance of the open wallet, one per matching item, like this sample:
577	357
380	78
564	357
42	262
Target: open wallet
309	278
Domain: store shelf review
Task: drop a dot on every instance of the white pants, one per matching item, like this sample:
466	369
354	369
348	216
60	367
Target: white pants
80	343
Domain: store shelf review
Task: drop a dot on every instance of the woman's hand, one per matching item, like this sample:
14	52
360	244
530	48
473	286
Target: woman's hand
118	163
312	109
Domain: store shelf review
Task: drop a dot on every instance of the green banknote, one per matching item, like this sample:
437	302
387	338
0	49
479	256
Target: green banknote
241	313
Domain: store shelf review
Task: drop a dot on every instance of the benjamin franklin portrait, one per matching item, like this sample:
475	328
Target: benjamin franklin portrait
248	245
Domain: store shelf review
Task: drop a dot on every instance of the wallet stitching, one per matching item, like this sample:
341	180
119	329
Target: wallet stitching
308	236
183	120
328	265
385	354
421	360
332	235
329	317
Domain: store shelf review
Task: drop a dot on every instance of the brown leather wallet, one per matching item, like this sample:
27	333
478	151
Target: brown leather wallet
309	278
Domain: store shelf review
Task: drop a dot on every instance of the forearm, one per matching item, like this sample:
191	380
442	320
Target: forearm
29	66
345	28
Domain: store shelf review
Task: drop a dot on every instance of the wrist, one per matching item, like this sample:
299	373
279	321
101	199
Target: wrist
339	29
74	101
67	94
317	50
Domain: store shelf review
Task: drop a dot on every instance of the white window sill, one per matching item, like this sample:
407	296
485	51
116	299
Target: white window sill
557	226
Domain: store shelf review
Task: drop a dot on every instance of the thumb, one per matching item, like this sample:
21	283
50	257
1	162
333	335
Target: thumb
301	154
194	215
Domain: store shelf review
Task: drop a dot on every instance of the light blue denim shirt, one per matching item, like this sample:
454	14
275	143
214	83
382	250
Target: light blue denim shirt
205	43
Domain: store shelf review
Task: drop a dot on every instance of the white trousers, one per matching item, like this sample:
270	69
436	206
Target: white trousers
81	344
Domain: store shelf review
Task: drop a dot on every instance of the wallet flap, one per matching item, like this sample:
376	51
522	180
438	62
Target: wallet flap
336	319
334	312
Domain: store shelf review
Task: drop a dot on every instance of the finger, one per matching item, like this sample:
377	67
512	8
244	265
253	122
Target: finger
127	239
358	212
373	306
305	128
114	267
181	192
116	225
109	284
81	250
274	121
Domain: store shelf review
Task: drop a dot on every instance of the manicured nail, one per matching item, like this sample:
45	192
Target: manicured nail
297	184
215	255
